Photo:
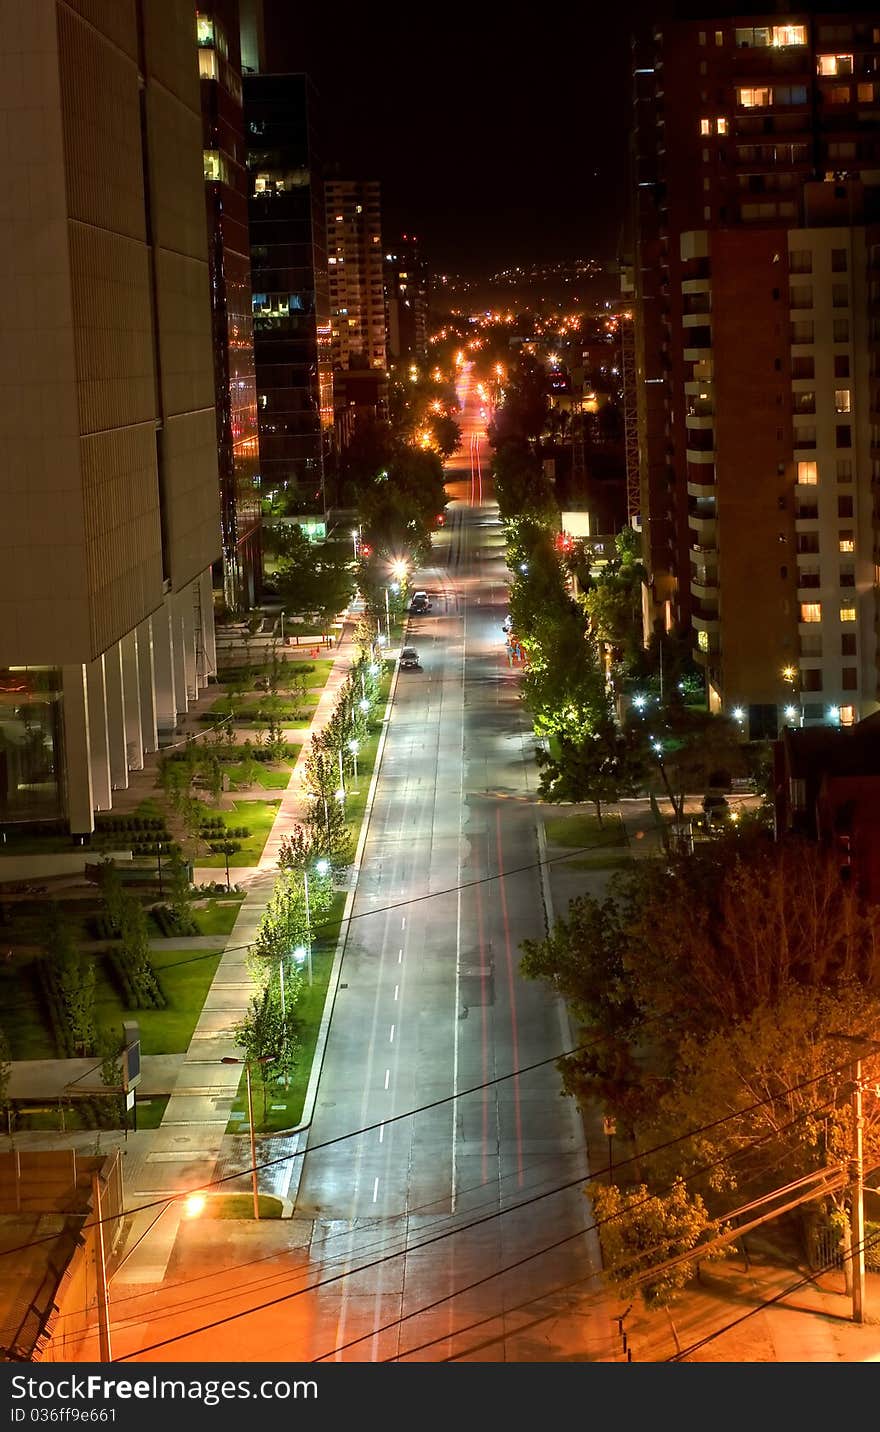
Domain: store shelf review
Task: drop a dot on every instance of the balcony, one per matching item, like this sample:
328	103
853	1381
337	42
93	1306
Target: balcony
699	456
703	533
696	285
704	586
701	418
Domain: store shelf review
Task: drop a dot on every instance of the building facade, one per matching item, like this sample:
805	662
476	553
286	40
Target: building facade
226	197
354	256
291	296
406	301
108	473
756	152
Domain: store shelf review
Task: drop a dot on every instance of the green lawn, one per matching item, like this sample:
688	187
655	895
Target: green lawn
319	669
584	831
217	916
310	1009
240	1205
185	977
258	816
277	779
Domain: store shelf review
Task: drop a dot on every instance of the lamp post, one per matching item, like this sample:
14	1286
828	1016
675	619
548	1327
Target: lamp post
341	771
387	615
282	628
354	747
355	532
228	1059
308	948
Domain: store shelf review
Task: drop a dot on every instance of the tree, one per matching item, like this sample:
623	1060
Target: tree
445	432
225	847
641	1231
72	977
180	891
601	766
690	749
113	896
268	1039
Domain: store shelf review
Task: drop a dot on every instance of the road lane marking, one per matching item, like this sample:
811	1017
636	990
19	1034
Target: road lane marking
391	1035
400	957
387	1077
403	923
375	1189
396	991
381	1132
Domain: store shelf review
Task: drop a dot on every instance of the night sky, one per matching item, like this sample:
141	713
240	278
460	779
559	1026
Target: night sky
495	141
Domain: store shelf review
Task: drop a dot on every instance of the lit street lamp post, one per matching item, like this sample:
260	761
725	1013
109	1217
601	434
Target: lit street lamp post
354	747
341	771
387	615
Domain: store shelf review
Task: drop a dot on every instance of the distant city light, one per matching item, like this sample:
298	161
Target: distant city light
738	714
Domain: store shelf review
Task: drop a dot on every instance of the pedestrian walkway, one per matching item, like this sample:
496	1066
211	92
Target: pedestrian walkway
191	1141
191	1144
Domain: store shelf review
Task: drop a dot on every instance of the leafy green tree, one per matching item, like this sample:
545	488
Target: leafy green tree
642	1232
445	432
690	749
113	896
179	889
268	1039
601	767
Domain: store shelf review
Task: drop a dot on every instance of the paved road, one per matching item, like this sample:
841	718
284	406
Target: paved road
411	1027
444	1188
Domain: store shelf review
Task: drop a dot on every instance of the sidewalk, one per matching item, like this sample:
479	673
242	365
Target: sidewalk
191	1141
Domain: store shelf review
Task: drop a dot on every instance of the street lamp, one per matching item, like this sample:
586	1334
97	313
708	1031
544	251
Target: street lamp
264	1059
364	705
355	533
341	773
282	628
354	747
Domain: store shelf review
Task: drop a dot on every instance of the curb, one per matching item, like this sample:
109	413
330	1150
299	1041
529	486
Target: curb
336	970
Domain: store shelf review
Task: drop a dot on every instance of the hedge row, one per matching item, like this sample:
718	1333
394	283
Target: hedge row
138	986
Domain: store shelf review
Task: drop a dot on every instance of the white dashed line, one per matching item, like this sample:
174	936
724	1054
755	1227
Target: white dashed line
387	1077
400	957
396	991
391	1035
375	1189
381	1132
403	923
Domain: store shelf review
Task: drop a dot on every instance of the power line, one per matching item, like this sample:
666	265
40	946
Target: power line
487	1218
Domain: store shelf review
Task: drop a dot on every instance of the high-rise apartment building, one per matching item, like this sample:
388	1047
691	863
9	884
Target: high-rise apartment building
226	196
289	273
108	475
406	301
354	256
756	152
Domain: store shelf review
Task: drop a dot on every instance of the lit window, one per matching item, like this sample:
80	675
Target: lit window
721	125
847	614
847	715
846	542
808	473
784	35
755	98
338	219
703	640
835	64
208	68
838	94
204	29
841	400
705	126
865	94
811	611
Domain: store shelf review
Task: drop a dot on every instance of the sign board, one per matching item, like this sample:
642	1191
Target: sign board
129	1100
609	1127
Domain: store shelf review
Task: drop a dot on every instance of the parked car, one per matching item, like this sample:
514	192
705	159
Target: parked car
409	657
420	603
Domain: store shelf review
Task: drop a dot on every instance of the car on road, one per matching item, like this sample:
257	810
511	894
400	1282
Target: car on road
409	657
421	602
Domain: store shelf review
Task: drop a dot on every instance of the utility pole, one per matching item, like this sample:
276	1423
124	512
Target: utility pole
101	1274
857	1252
